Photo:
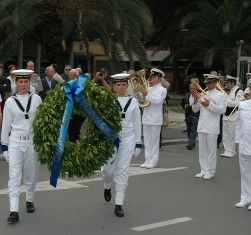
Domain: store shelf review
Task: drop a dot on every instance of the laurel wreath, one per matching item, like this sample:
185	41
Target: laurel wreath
83	158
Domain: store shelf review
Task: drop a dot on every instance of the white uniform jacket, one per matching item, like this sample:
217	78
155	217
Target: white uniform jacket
233	100
152	114
243	127
14	121
132	120
210	117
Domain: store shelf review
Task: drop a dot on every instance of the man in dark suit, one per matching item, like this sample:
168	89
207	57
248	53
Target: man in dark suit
48	82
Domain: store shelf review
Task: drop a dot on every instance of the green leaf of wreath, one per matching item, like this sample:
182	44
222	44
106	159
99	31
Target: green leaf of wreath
83	158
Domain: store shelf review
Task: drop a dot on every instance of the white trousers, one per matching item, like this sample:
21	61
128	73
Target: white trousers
117	167
229	137
23	162
207	153
151	143
245	170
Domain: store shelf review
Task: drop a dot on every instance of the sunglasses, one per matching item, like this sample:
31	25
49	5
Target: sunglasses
67	69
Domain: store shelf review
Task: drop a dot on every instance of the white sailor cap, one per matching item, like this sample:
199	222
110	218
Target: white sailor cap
120	77
210	78
22	73
157	72
214	73
230	79
248	74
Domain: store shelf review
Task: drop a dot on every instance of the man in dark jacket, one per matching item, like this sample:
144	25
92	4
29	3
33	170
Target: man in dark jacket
5	87
191	118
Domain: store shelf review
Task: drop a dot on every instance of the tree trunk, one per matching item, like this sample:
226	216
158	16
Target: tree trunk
177	80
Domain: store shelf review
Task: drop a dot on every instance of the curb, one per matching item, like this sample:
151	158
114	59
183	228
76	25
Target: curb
174	142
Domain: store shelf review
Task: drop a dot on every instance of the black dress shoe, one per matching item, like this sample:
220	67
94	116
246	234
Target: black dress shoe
30	207
119	211
189	148
107	195
13	217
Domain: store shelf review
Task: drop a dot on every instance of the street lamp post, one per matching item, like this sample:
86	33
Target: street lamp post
239	42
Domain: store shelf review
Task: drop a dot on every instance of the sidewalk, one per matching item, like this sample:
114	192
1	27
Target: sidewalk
175	132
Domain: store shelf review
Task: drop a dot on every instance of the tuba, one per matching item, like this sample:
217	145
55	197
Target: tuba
139	83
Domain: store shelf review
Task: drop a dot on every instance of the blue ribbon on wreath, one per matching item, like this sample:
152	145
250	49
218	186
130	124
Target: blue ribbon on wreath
73	90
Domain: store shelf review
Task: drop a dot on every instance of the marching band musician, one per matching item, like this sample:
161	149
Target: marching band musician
236	94
243	143
211	106
248	76
153	118
17	142
117	166
222	79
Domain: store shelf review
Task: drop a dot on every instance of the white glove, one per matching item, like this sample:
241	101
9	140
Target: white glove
6	155
136	152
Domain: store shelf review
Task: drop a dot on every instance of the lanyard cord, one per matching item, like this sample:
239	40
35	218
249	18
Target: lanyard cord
21	107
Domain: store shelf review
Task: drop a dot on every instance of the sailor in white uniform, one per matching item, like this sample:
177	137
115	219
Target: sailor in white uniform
248	76
153	118
243	142
236	94
17	142
118	165
211	106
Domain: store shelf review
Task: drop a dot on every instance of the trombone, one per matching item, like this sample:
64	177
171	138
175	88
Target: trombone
246	96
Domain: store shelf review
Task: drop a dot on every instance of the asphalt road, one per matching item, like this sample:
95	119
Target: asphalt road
164	200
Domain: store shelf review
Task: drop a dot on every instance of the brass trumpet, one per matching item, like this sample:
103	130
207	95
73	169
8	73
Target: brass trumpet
202	92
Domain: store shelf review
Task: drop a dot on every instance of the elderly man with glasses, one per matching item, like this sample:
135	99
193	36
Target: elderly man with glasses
67	69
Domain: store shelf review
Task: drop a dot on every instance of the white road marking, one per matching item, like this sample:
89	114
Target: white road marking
136	171
45	186
162	224
64	184
144	171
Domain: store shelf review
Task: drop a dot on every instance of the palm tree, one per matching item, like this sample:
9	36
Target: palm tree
214	29
167	32
56	24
